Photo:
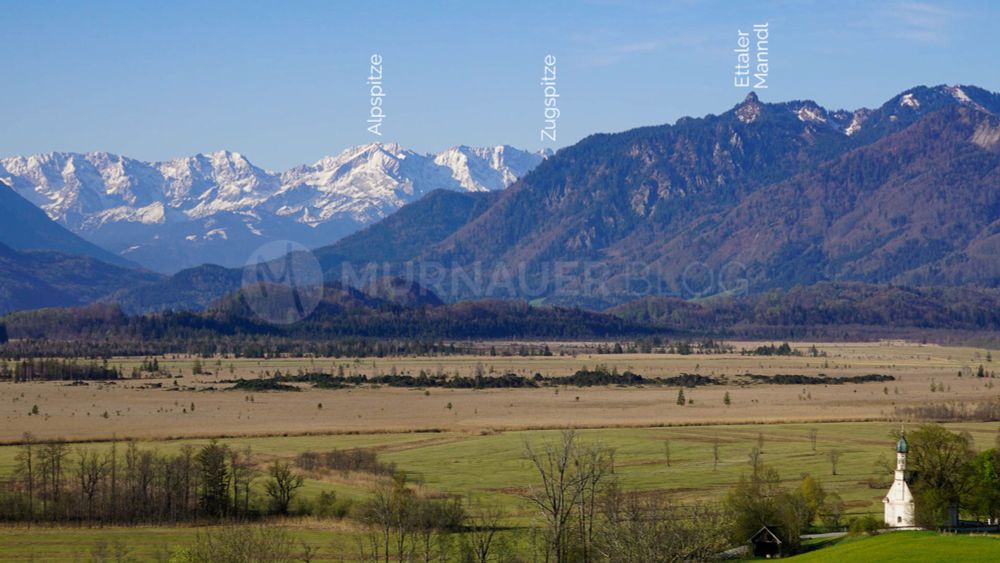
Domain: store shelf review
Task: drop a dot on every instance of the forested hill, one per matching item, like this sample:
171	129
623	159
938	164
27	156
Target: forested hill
402	311
385	310
787	193
824	305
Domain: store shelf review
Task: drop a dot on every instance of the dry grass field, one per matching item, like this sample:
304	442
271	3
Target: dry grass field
471	442
199	406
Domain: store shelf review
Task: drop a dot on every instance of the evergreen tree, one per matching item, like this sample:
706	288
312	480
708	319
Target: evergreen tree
214	493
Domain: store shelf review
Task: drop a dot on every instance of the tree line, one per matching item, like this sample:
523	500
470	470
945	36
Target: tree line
343	324
41	369
127	484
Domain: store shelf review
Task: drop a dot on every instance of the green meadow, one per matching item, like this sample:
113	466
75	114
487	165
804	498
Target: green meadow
908	547
492	469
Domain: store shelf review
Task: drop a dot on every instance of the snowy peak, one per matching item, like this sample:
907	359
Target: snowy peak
131	207
487	168
369	181
902	109
924	99
750	109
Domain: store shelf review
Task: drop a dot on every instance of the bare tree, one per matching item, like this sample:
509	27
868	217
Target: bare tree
570	475
388	514
834	459
91	470
26	470
243	473
812	438
666	451
755	461
281	487
483	527
50	464
715	454
646	529
597	464
237	544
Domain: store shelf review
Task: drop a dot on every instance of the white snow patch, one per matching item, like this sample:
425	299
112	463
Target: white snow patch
986	136
807	113
748	112
910	101
216	233
959	95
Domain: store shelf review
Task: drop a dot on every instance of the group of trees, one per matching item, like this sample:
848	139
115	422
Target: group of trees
586	516
126	484
57	370
344	323
948	473
783	349
403	526
599	376
759	499
823	304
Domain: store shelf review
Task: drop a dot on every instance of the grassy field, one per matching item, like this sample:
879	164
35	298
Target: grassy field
908	547
471	443
146	543
491	468
163	408
493	465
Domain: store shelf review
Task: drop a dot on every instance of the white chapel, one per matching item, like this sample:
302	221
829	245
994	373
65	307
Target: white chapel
899	500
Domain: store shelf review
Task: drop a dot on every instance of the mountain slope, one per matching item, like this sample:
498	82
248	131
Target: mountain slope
654	210
36	279
919	206
836	304
408	232
218	208
25	227
396	239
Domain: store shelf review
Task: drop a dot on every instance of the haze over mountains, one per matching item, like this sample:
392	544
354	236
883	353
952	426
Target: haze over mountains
217	208
762	196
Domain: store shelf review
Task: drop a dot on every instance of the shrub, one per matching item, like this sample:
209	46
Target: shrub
236	544
867	524
327	505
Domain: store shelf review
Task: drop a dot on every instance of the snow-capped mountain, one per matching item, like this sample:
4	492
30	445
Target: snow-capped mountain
901	109
219	207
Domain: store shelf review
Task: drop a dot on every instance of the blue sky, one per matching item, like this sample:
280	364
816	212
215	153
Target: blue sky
284	82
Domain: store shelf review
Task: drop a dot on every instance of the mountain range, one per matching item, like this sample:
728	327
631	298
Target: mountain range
761	196
217	208
764	196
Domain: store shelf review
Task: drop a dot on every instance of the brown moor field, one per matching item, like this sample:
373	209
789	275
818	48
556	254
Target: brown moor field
200	406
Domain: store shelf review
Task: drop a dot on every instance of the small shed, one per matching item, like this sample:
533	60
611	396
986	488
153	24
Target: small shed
765	543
